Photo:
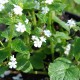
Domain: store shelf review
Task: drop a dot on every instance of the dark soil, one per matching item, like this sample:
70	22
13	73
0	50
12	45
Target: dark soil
28	76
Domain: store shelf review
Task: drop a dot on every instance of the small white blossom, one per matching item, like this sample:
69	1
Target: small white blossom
3	1
45	10
47	33
67	50
71	23
37	5
43	39
34	38
26	21
12	63
49	1
1	7
20	27
37	43
17	10
12	58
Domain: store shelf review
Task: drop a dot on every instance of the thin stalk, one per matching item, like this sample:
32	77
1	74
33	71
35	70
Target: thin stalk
51	40
60	22
34	18
39	72
1	44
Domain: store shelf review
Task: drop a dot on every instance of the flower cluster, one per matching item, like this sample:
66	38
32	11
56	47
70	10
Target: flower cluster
12	63
71	23
2	2
17	10
67	50
38	41
20	27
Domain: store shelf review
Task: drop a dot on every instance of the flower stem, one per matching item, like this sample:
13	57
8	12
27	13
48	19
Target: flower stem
39	72
1	44
34	18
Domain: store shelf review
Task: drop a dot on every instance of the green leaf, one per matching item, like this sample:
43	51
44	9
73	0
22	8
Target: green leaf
3	54
19	46
58	6
29	4
3	69
28	28
62	69
76	48
77	1
62	35
37	62
60	22
23	63
37	31
43	18
5	34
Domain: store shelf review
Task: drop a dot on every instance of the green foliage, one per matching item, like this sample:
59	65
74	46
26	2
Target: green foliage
63	69
3	69
19	46
37	32
77	1
37	60
4	53
23	63
76	48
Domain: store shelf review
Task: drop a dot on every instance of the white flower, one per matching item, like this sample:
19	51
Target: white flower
37	5
43	39
49	1
45	10
1	7
47	33
3	1
17	10
26	21
67	50
12	63
71	23
34	38
12	58
20	27
37	43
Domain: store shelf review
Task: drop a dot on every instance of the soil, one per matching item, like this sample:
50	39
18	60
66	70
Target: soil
28	76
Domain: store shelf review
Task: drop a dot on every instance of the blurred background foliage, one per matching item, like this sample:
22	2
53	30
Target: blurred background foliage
72	6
